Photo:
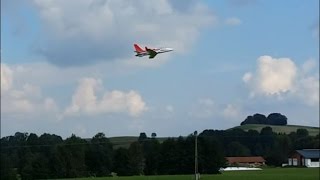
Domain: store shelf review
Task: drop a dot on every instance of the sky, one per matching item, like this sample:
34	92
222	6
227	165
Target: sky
68	67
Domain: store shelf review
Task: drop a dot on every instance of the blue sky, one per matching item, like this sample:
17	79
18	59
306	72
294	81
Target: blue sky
69	66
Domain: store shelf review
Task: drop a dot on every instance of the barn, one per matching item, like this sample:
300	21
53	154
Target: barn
305	157
251	161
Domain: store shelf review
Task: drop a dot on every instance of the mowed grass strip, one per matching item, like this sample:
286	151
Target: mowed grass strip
265	174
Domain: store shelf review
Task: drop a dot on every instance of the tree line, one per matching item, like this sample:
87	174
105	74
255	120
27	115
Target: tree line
49	156
272	119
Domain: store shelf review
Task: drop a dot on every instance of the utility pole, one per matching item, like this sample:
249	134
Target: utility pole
196	156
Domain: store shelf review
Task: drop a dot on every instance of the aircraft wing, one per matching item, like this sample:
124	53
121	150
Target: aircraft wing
152	53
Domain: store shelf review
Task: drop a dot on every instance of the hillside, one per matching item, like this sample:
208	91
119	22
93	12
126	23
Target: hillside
313	131
125	141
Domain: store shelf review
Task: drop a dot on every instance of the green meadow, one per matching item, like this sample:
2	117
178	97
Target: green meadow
265	174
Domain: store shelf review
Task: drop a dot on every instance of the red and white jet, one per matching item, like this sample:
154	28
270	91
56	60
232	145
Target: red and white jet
149	52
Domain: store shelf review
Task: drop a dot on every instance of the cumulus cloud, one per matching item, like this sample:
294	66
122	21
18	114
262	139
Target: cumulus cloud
273	76
309	65
6	77
247	77
50	105
22	97
204	108
207	109
282	78
85	100
86	31
232	112
233	21
308	90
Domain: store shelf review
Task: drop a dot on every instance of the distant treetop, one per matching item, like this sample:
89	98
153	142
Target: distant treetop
272	119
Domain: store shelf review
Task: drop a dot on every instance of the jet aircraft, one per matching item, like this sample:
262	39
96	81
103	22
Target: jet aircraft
150	52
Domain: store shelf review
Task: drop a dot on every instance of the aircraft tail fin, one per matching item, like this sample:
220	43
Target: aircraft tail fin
138	48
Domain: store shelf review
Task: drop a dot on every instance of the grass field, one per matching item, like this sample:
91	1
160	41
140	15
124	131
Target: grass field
266	174
313	131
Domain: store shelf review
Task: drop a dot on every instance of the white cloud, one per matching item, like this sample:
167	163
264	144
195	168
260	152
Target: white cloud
21	97
232	112
273	76
206	111
80	130
6	77
308	90
206	102
247	77
85	31
85	100
50	105
309	65
204	108
281	77
169	108
233	21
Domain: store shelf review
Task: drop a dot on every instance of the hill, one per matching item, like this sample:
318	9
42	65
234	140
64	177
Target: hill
125	141
287	129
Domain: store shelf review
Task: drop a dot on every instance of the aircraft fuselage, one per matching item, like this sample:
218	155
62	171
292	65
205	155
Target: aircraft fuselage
150	52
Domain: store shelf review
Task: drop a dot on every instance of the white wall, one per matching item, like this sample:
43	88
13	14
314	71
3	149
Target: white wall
306	162
309	163
314	164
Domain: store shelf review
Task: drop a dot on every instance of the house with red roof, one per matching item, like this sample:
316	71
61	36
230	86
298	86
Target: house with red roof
251	161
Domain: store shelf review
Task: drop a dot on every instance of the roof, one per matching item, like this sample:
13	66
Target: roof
251	159
309	153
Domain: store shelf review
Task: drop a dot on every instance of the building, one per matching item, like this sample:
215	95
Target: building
305	157
251	161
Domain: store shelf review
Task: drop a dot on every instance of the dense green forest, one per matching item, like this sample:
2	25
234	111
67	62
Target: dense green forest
49	156
271	119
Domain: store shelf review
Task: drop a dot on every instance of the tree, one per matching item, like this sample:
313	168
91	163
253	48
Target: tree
266	138
32	139
255	119
260	118
280	150
151	149
142	137
74	154
248	120
302	133
99	155
276	119
211	156
121	162
266	131
153	135
168	161
237	149
7	170
272	119
136	159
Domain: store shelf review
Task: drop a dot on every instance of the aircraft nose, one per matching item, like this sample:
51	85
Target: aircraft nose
170	49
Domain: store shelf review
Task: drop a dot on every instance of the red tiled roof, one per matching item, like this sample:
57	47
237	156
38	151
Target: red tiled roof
251	159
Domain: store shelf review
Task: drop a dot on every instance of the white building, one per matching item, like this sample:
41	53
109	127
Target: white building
305	157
